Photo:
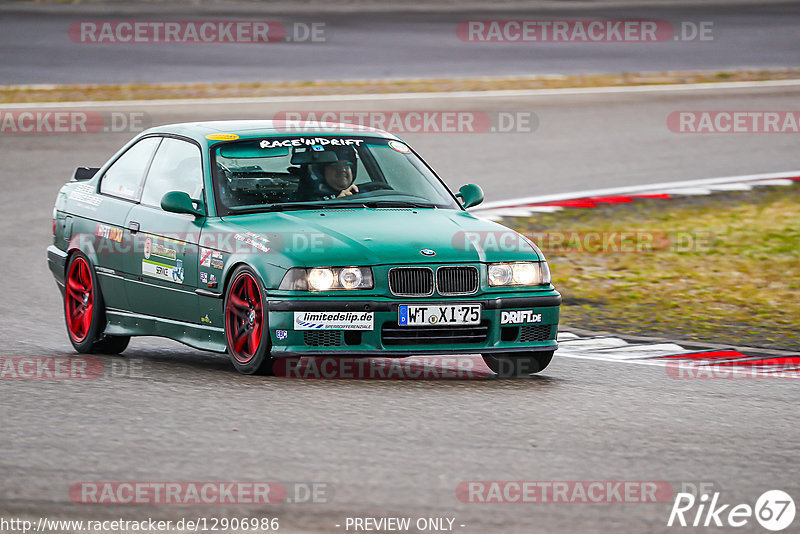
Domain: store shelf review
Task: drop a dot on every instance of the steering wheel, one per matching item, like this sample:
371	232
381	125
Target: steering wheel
373	186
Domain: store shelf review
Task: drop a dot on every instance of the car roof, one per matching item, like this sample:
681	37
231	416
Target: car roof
248	129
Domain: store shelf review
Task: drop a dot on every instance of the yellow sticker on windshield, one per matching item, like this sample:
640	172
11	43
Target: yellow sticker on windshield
222	137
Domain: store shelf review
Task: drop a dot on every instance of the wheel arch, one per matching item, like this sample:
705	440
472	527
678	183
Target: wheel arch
266	278
230	269
74	247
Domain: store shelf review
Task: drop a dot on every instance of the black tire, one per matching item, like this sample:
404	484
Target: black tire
518	364
239	322
93	341
112	344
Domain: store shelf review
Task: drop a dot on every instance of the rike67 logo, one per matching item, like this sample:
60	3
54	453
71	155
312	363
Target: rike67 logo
774	510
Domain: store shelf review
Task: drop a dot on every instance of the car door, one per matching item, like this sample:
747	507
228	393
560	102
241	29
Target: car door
120	186
165	258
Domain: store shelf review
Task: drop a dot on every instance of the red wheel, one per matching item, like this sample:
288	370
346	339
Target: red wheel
79	299
244	317
85	312
246	329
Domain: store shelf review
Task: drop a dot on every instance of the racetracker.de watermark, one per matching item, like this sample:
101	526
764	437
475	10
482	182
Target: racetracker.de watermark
45	121
194	31
113	240
202	493
413	368
582	31
709	369
256	523
734	122
585	241
68	368
50	367
564	492
404	122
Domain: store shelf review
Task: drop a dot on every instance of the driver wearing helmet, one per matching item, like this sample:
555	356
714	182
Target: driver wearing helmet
326	181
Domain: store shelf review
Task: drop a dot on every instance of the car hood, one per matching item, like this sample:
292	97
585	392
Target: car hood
380	236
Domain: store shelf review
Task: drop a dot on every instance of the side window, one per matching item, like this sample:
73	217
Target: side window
124	178
176	167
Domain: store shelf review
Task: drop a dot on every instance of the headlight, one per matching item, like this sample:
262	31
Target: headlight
521	273
327	278
525	274
320	279
500	274
350	277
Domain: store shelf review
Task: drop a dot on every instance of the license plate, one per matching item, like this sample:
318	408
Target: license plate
438	315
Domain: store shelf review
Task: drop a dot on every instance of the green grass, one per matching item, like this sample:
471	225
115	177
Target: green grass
723	268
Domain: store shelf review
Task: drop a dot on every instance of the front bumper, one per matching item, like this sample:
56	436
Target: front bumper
490	336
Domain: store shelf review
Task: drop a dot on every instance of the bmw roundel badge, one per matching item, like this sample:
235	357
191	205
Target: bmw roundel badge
427	252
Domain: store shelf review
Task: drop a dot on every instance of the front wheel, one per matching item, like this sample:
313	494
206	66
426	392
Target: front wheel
518	364
246	329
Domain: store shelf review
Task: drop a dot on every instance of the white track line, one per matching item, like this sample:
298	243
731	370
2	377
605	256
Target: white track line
596	343
617	350
686	187
732	187
688	192
413	96
775	182
644	351
589	356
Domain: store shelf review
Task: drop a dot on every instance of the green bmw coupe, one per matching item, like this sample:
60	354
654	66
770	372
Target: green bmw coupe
263	241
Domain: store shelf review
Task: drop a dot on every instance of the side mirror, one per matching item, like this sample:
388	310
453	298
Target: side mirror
179	202
470	195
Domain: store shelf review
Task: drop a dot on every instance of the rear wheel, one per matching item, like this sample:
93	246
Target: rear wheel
246	329
84	311
518	364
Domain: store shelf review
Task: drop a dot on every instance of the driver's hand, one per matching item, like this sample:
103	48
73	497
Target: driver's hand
352	190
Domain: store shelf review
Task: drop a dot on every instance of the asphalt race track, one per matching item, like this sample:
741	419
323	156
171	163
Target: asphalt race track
164	412
386	42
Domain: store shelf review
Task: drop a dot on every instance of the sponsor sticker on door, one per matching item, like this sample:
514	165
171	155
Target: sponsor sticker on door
162	271
205	257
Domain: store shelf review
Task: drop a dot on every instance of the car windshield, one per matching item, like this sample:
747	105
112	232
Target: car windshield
282	173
